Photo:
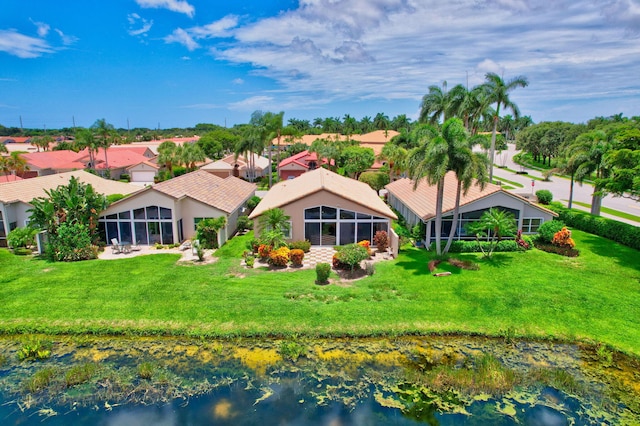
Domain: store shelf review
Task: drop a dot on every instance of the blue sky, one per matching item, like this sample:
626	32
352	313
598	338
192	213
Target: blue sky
176	63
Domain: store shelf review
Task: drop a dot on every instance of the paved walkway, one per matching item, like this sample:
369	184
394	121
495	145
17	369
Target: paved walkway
559	187
187	255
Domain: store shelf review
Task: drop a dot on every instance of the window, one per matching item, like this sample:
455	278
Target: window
326	225
146	225
286	233
530	225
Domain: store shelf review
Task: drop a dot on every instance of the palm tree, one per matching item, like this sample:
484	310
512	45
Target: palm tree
17	164
496	223
86	139
587	156
366	125
273	127
429	161
167	154
400	123
249	144
274	219
192	154
3	148
498	93
105	136
440	103
5	170
395	156
381	121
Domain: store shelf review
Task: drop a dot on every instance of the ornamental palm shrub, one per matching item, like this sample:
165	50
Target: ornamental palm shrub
279	256
296	256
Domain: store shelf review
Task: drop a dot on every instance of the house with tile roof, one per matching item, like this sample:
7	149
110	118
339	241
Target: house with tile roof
327	209
238	167
419	206
299	163
169	211
16	197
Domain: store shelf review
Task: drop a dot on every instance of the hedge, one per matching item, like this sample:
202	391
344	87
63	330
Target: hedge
623	233
471	246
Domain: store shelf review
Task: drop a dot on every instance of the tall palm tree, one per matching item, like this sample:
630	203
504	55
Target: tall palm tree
587	157
498	93
105	136
86	139
441	103
167	154
395	156
192	154
17	164
381	121
249	144
429	161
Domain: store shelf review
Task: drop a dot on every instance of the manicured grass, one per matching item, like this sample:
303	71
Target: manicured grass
510	182
607	210
516	173
594	297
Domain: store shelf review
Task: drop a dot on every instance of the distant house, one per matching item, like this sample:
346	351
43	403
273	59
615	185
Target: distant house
16	197
419	205
238	167
144	172
169	211
298	164
327	209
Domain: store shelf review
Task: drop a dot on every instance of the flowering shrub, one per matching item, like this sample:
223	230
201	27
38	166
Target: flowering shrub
350	256
365	244
263	251
280	256
336	263
296	256
521	242
562	238
381	240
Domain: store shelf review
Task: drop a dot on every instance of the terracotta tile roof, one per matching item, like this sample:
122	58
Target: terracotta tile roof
55	160
288	191
224	194
301	158
118	158
28	189
9	178
422	201
306	139
377	136
229	161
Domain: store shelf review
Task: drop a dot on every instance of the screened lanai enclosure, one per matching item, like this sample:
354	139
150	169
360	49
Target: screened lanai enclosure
329	226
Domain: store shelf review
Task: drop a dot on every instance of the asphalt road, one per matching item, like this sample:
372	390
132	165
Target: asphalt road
559	187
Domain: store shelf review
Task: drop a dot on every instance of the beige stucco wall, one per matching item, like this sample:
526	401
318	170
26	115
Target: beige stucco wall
188	209
297	208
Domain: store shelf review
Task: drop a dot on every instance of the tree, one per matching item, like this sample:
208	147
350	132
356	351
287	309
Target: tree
69	214
356	159
381	121
587	154
3	148
498	93
16	164
400	123
105	136
366	125
42	142
395	156
167	155
216	143
496	224
440	103
274	219
191	154
249	144
85	139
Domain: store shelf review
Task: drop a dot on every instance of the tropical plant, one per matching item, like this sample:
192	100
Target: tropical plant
296	256
497	91
191	154
440	103
279	256
493	224
16	163
548	229
395	156
351	255
167	155
207	231
251	143
274	219
105	136
22	237
381	240
562	238
244	223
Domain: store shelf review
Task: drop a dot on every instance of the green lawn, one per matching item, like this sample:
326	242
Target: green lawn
595	297
612	212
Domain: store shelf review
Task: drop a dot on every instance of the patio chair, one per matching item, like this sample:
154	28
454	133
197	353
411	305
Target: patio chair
115	246
135	246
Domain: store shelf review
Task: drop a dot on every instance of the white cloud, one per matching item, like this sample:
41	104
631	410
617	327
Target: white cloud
67	40
22	46
237	81
220	28
182	37
42	28
253	103
179	6
138	25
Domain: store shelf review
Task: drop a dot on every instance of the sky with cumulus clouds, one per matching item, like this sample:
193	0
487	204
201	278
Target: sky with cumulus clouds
176	63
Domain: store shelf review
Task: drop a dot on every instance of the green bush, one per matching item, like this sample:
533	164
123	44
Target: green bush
544	196
375	180
22	237
124	177
619	232
244	223
471	246
207	231
179	170
351	255
547	230
304	245
322	273
22	251
253	202
72	243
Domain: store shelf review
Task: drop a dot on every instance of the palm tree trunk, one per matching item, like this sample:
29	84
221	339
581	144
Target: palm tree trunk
492	150
439	202
596	202
454	223
571	191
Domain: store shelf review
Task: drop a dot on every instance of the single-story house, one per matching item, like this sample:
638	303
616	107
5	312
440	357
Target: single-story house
419	205
143	172
327	209
299	163
238	167
169	211
16	197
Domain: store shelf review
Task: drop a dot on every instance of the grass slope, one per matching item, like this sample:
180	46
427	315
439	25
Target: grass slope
594	297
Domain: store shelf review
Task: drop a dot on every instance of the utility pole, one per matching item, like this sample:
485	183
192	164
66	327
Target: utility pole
21	129
73	119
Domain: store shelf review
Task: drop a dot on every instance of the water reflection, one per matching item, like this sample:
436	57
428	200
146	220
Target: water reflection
400	381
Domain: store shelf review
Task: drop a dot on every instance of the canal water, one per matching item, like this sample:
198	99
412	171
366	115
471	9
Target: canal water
443	380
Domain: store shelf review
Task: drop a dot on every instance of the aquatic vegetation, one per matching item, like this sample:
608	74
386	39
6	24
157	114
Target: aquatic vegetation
292	350
33	350
80	374
40	380
146	370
